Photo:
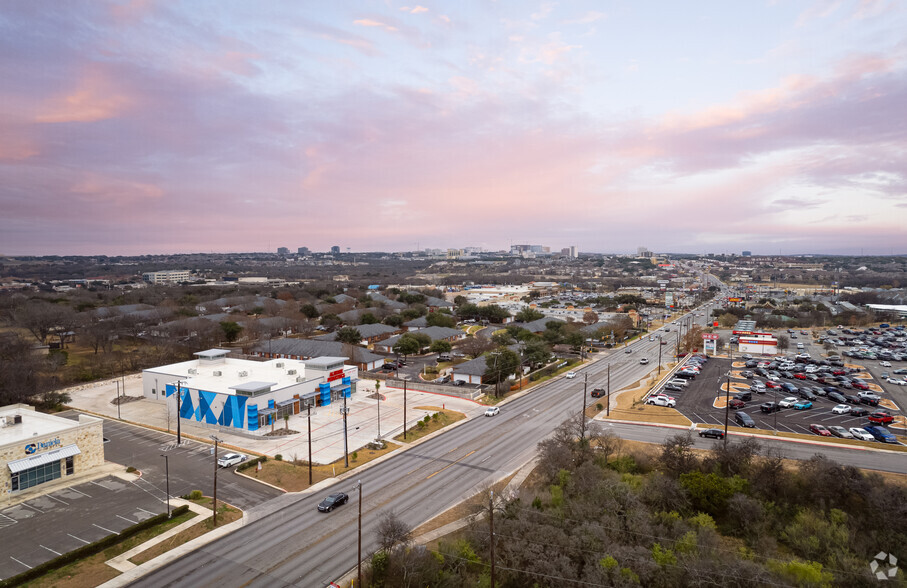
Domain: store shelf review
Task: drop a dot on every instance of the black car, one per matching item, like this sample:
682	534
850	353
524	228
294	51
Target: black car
598	392
744	420
713	433
745	396
852	399
837	397
332	501
769	407
858	411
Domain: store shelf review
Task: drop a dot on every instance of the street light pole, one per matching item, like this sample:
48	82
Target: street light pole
309	418
609	391
727	406
179	393
216	441
346	457
659	355
378	397
404	410
359	540
167	470
582	434
118	400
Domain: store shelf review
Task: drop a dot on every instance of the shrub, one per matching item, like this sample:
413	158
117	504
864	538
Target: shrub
354	455
436	416
195	495
278	457
130	470
426	419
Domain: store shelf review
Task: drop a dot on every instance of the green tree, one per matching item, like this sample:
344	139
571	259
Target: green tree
349	335
502	338
231	330
368	318
406	345
727	320
499	365
536	352
440	319
309	311
527	315
394	320
440	346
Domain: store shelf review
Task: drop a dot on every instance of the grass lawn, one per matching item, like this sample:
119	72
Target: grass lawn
444	417
295	477
92	571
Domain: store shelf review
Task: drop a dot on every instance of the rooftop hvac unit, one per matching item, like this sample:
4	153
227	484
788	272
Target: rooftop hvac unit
193	371
279	364
291	372
217	373
243	374
17	419
299	378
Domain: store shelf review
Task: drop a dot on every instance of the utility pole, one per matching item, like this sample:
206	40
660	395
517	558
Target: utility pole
359	541
179	392
609	391
216	441
167	470
309	416
378	396
582	431
491	512
659	355
727	406
118	400
404	410
345	410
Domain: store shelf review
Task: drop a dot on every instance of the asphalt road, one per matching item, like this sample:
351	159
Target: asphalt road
298	546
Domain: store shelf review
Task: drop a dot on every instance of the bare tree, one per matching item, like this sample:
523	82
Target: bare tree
392	532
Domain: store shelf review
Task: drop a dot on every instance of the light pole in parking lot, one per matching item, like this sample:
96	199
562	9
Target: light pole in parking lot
659	355
582	431
309	418
167	470
214	502
345	411
359	541
727	405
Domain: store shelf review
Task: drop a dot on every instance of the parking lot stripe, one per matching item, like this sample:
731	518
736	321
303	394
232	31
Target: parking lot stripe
57	499
17	561
128	520
80	492
148	511
49	549
78	539
103	529
33	508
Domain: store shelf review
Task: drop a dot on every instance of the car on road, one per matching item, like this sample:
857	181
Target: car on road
839	431
744	420
661	400
788	402
598	392
570	375
861	434
231	459
820	430
803	405
333	501
880	417
841	409
492	410
713	433
880	433
628	350
769	407
644	360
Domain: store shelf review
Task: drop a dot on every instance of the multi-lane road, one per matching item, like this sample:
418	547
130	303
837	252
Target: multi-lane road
298	546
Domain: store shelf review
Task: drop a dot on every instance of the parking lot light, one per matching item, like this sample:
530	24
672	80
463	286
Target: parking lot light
216	441
167	470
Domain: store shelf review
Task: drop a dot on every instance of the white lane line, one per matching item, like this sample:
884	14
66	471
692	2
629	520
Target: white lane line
128	520
148	511
80	492
49	549
17	561
33	508
78	539
103	529
57	499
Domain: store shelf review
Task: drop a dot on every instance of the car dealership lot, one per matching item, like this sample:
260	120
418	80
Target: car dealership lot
703	402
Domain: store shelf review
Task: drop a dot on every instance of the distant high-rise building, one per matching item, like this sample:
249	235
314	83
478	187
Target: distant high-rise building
335	249
283	251
302	251
747	253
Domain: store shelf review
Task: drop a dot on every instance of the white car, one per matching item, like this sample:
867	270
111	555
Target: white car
861	434
885	364
570	375
661	400
897	382
788	402
841	409
231	459
644	360
492	410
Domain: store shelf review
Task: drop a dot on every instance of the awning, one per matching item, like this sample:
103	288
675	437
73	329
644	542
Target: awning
46	457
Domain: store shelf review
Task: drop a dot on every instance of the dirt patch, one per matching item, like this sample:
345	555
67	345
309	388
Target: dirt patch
627	405
281	433
294	476
437	421
123	399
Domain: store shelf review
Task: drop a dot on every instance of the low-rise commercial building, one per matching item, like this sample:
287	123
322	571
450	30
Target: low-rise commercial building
167	276
223	392
38	448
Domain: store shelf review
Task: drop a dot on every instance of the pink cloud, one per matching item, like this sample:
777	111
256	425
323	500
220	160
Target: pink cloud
96	96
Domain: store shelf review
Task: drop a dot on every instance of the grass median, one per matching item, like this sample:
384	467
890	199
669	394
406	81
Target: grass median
439	419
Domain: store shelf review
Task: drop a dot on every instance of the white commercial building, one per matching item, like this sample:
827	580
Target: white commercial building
38	448
232	393
167	276
758	343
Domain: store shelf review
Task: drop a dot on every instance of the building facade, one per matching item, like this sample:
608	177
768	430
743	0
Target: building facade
167	276
38	448
223	392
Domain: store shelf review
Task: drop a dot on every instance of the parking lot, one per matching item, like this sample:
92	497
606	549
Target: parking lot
191	464
40	529
703	401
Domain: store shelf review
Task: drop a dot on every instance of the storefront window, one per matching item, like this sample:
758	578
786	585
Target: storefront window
37	475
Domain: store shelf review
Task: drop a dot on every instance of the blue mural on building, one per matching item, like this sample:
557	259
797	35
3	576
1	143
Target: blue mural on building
216	409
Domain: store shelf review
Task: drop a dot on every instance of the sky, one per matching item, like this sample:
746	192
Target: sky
145	127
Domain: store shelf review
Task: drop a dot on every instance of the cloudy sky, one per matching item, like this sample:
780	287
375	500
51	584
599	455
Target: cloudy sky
703	126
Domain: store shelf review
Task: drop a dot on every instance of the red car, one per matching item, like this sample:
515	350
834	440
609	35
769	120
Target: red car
839	372
880	417
800	376
861	385
820	430
736	403
772	384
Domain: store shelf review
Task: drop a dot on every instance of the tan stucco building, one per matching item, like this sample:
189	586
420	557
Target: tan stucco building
38	448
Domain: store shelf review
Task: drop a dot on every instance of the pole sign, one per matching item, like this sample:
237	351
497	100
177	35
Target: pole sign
710	336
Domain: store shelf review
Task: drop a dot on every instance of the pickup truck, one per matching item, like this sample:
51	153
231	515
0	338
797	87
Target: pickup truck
769	407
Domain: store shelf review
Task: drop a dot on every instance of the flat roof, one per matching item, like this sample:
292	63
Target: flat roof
212	353
253	386
34	424
323	362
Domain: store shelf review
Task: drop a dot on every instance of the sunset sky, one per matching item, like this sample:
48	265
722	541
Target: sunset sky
702	126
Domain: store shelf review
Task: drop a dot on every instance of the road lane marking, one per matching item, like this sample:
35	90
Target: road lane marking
78	539
451	464
103	529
